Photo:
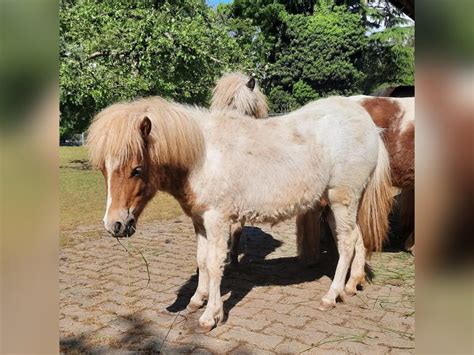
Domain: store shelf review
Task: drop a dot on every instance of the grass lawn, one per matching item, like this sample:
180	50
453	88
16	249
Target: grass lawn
82	196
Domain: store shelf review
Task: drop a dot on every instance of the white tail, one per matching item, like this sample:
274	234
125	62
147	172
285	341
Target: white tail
376	203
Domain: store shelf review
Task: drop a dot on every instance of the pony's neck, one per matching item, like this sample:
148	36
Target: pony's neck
175	181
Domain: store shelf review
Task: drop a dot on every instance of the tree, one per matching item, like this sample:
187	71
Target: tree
300	50
113	51
305	49
390	58
319	55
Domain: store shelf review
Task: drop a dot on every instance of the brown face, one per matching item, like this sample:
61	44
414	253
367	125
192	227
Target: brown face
128	191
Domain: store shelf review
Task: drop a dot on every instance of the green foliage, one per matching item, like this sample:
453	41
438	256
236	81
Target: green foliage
299	50
320	52
306	49
390	58
281	100
304	93
112	51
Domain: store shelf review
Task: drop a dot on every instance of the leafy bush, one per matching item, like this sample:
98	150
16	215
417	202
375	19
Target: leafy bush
112	51
298	50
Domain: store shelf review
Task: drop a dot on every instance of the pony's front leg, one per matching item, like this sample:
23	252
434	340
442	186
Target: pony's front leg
217	231
202	290
344	207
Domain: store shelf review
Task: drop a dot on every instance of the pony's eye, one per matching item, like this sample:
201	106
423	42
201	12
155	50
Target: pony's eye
137	171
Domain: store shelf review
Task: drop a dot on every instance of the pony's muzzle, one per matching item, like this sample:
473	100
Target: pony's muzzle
120	229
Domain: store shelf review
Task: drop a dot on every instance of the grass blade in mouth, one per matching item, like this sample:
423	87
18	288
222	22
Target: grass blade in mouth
141	254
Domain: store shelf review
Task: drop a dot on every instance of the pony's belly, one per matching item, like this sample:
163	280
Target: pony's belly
274	214
272	217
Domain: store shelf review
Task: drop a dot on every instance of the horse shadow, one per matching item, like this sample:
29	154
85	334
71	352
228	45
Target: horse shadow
255	270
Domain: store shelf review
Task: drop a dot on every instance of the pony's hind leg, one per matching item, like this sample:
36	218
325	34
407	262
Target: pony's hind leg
307	236
235	234
217	232
358	265
344	204
202	290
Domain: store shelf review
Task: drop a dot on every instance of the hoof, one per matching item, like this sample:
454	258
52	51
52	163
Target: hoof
350	291
326	306
206	326
193	307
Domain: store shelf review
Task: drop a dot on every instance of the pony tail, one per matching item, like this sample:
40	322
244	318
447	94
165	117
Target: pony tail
376	204
307	236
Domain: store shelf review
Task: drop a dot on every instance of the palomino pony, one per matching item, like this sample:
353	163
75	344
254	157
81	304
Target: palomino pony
239	92
328	149
236	91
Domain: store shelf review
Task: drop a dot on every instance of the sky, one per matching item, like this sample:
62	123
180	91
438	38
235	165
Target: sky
216	2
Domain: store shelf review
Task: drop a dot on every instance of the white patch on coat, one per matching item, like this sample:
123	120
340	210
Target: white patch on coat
110	166
408	108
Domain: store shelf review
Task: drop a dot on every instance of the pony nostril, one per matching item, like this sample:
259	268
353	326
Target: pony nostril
130	228
117	227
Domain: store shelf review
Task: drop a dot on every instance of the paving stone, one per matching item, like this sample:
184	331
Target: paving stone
219	346
251	324
106	305
294	321
302	335
290	347
263	341
250	349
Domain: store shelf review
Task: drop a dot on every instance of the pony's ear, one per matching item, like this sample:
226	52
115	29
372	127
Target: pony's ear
251	84
145	127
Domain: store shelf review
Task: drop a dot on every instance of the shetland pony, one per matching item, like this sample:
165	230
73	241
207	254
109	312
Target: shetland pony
396	116
328	149
406	199
239	92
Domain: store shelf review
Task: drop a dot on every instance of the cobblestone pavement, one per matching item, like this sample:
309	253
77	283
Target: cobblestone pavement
271	301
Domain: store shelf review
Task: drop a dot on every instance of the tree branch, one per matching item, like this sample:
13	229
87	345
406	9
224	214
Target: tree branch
97	54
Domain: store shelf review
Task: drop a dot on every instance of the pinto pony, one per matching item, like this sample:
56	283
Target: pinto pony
396	116
328	149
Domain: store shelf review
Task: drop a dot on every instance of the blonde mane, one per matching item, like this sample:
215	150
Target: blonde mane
231	91
175	138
